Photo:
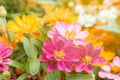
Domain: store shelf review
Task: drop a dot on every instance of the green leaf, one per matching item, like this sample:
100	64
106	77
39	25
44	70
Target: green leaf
52	76
79	77
22	77
112	26
30	49
17	65
34	66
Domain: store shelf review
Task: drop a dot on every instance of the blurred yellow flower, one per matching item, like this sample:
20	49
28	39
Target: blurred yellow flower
92	39
28	24
60	14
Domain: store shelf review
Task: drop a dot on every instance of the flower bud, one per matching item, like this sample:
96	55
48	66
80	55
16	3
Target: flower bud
6	75
3	11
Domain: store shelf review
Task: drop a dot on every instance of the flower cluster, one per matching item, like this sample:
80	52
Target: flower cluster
63	53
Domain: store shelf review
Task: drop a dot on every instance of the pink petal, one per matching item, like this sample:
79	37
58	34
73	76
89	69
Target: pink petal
82	51
102	74
6	52
61	28
59	45
88	68
117	77
79	68
2	46
98	60
82	35
77	27
51	66
52	33
106	68
116	61
61	65
43	58
80	42
96	51
7	61
110	76
89	49
3	67
68	67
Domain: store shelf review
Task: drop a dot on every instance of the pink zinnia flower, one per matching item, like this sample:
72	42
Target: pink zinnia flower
70	32
58	54
88	56
112	70
4	53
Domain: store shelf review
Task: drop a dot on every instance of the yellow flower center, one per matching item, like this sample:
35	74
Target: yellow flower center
70	34
115	69
59	54
86	59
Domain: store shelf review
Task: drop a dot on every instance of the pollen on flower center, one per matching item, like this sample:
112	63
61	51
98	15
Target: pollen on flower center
59	54
86	59
115	69
70	34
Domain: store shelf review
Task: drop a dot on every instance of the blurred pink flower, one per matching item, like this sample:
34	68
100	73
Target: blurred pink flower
88	56
58	54
4	53
70	32
111	71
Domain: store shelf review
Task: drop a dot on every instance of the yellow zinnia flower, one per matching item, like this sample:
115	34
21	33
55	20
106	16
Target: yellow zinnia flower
60	14
28	24
24	26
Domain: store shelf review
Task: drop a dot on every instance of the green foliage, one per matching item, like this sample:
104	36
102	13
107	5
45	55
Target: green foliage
112	26
30	49
52	76
22	77
79	77
34	66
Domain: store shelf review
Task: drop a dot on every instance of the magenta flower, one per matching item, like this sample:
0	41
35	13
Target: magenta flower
111	71
88	56
59	54
4	53
70	32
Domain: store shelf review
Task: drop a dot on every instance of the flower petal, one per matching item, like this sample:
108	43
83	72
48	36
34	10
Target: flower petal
96	51
116	61
106	68
102	74
89	49
82	35
88	68
51	66
68	67
117	77
1	46
6	52
43	58
7	61
3	67
79	68
61	28
61	65
98	60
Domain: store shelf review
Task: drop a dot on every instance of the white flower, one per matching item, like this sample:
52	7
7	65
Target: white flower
87	20
106	15
80	9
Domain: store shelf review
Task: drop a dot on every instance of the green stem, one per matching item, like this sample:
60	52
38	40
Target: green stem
33	53
93	76
6	31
